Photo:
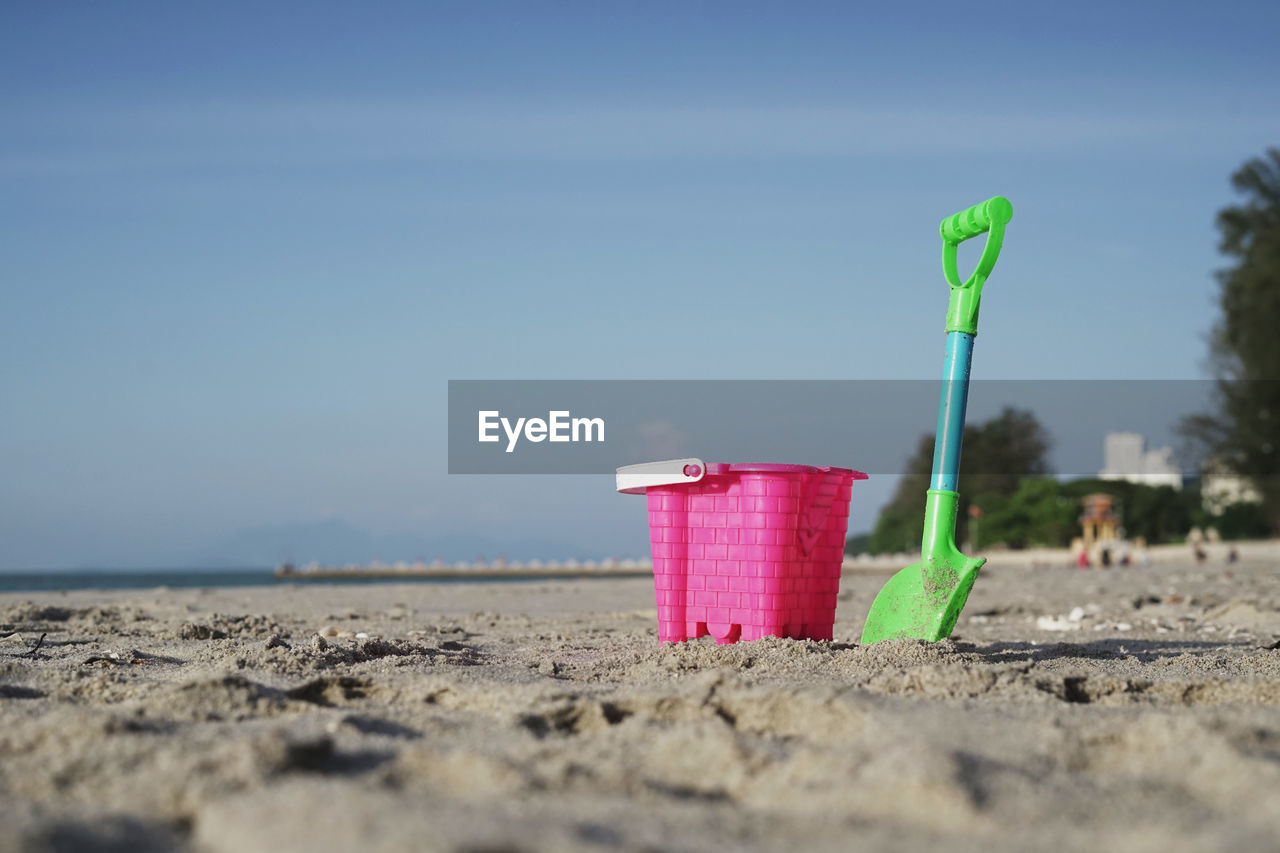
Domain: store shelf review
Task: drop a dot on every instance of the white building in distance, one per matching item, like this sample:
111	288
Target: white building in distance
1126	457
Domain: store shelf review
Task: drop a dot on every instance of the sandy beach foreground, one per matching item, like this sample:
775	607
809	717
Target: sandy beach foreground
1126	709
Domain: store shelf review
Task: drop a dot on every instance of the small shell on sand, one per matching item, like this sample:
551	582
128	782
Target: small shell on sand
1056	623
329	631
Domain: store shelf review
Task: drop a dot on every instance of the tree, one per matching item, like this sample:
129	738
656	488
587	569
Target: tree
1046	512
1035	514
1245	520
900	525
1243	434
996	456
857	544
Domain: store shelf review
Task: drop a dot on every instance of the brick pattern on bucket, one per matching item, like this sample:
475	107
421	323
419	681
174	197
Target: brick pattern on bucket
746	555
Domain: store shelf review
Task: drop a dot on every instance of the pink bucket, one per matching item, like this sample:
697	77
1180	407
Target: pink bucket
744	551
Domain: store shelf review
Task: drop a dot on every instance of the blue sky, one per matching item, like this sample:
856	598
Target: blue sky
246	245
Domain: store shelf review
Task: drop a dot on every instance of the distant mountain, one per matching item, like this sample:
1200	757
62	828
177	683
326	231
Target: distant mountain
336	542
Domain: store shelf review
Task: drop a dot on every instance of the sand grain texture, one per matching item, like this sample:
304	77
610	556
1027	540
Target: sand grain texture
1128	709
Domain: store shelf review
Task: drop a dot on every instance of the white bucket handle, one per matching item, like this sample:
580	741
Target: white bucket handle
634	479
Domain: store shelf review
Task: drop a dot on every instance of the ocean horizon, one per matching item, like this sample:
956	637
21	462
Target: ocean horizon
57	580
46	580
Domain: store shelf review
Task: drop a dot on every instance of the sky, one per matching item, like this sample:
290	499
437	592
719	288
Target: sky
245	245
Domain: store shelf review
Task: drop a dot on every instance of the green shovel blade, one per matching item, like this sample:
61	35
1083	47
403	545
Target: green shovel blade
922	601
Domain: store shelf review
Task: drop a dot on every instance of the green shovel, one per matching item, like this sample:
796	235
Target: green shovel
924	600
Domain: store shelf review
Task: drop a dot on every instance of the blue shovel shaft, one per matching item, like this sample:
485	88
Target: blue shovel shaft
951	411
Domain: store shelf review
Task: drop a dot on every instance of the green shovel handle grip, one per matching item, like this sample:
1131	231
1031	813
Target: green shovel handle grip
988	218
976	220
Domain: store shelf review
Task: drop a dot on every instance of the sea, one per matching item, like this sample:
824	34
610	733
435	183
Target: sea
60	579
67	579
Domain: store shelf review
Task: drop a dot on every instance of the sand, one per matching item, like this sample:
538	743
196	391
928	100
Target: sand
1125	709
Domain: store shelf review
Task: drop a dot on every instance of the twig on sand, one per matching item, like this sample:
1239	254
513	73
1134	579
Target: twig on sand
36	647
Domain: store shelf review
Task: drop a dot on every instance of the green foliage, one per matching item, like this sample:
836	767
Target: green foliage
1000	453
1157	513
1043	512
997	455
1243	521
1036	514
900	526
855	545
1243	434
